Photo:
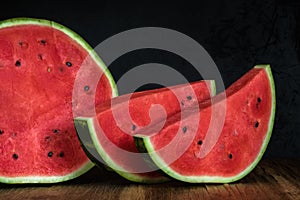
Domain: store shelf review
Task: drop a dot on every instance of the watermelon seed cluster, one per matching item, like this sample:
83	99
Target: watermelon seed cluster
61	154
258	102
14	156
48	138
256	124
189	98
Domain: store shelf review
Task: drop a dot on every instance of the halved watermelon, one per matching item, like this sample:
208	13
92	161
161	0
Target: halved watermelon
184	150
39	61
117	120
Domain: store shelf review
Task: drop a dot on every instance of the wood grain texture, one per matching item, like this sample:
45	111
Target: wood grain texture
271	179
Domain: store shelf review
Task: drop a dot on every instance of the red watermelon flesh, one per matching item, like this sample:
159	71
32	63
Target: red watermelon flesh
240	144
113	138
39	61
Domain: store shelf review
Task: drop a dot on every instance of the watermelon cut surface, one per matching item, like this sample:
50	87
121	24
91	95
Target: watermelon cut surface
109	133
241	142
39	61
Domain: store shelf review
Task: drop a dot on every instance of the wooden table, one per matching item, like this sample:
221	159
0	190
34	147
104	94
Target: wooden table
271	179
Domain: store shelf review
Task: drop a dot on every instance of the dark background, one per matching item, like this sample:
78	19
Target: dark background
237	34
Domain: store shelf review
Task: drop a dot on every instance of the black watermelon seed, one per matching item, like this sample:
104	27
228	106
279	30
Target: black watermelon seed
69	64
258	100
55	130
40	56
189	97
24	45
18	63
256	124
50	154
86	88
43	42
184	129
61	154
15	156
48	138
1	132
200	142
133	127
182	103
230	156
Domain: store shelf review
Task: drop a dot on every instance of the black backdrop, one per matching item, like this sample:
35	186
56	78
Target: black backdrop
237	35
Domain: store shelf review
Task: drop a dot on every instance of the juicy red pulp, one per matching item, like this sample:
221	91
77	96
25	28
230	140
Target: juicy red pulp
38	66
248	111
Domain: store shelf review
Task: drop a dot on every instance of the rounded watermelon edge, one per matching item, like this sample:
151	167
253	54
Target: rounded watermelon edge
45	22
144	142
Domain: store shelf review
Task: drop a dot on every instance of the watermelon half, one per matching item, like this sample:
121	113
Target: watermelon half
107	137
39	61
240	144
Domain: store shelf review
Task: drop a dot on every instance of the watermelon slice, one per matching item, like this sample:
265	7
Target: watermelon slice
39	61
240	144
108	139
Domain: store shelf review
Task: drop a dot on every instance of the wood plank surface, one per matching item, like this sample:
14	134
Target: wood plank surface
271	179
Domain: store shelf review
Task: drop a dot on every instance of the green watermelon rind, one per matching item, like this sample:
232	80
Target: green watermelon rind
44	22
88	124
146	142
47	179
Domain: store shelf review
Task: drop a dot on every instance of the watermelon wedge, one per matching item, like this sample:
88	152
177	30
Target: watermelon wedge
107	137
180	149
39	61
